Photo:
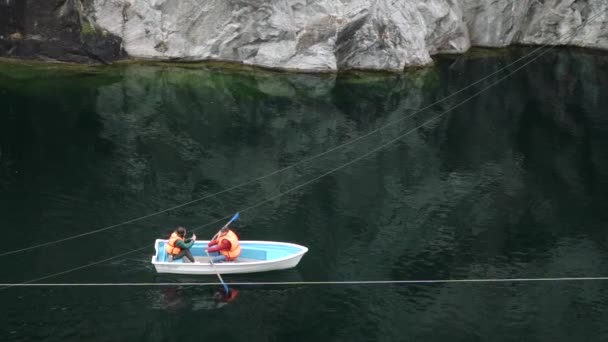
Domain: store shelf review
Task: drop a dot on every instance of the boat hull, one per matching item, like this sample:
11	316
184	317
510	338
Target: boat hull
256	256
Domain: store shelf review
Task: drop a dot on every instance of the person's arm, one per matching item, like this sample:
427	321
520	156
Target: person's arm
192	238
185	245
226	245
212	243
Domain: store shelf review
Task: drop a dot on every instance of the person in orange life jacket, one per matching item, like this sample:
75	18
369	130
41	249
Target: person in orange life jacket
227	244
178	246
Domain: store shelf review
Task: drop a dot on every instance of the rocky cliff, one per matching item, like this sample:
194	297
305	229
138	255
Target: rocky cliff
55	30
311	35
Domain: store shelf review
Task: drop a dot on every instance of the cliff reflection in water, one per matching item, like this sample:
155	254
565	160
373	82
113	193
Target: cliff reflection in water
511	183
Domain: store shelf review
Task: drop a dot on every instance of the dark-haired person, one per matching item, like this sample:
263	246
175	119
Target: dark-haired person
227	243
178	246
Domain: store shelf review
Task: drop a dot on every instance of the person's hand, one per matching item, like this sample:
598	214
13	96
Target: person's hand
193	236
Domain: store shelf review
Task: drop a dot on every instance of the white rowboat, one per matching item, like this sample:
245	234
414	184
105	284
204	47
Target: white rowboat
256	256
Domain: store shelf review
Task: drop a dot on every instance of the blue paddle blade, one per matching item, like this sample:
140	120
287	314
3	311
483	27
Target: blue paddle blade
235	217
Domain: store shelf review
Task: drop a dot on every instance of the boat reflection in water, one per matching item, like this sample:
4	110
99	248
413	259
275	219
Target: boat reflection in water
179	298
223	297
211	297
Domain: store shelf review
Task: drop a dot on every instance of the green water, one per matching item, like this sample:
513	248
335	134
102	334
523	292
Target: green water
510	184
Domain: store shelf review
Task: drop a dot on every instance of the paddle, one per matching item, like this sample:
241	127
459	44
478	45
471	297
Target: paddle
234	218
226	289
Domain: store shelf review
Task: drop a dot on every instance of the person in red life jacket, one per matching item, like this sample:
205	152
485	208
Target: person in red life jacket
178	246
227	244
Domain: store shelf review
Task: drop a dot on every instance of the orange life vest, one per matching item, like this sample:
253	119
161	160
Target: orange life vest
235	248
171	247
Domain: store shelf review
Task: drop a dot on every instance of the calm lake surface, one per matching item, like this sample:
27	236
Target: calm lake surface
511	184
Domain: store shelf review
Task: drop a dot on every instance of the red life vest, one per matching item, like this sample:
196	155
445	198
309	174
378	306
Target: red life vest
171	247
235	248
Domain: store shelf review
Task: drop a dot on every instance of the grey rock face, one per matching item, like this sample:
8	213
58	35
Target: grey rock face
494	23
553	22
318	35
391	35
311	35
329	35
